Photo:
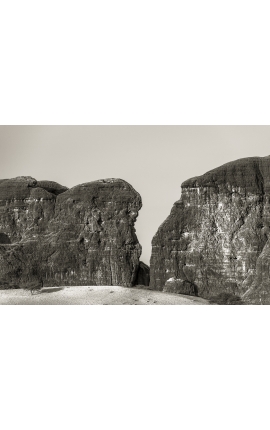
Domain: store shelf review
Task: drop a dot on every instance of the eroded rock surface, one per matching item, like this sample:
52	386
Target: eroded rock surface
217	235
79	236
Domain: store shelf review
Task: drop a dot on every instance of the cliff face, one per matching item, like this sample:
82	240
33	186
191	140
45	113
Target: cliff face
81	236
216	237
26	206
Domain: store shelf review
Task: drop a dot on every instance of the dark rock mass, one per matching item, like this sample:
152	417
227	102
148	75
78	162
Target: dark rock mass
79	236
143	275
216	238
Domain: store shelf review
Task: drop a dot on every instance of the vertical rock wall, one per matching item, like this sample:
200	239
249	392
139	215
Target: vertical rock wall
81	236
216	237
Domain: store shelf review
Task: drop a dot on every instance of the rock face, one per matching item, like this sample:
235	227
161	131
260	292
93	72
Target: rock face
79	236
216	238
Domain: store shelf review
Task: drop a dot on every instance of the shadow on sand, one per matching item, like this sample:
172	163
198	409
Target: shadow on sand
51	290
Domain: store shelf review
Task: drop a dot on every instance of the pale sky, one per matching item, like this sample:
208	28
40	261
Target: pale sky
155	160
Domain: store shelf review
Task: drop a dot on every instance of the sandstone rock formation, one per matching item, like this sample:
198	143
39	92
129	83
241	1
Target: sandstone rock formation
79	236
216	238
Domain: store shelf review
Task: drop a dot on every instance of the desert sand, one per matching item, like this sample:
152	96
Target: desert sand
96	295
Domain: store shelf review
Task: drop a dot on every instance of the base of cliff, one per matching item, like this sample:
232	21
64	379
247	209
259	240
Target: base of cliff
96	295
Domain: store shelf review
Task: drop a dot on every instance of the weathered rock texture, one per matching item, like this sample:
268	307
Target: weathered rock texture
79	236
216	238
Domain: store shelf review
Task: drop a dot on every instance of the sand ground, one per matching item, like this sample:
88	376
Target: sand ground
96	295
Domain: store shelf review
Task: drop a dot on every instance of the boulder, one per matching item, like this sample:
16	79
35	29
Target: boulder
180	286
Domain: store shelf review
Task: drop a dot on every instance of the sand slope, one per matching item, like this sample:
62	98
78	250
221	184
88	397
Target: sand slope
100	295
